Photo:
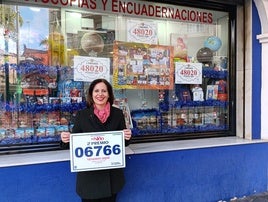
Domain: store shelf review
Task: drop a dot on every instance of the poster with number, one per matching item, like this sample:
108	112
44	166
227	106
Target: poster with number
188	73
88	69
142	31
97	151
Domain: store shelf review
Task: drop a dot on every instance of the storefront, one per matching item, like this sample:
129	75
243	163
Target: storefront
208	111
173	67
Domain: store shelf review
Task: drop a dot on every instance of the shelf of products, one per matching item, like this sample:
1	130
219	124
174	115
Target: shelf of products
47	99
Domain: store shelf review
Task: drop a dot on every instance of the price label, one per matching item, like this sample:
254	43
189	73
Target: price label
188	73
89	68
97	151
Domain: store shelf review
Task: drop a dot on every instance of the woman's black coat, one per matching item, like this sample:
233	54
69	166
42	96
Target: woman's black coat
101	183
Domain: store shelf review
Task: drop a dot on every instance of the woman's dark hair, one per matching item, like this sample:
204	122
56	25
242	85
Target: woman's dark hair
92	86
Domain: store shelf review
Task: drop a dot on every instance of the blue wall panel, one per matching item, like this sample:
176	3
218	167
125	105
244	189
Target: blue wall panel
202	175
51	182
198	175
256	75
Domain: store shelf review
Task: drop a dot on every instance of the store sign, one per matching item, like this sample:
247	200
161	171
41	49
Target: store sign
97	151
89	68
131	8
188	73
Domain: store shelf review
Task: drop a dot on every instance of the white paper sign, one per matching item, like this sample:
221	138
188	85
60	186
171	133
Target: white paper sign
89	68
97	151
142	32
188	73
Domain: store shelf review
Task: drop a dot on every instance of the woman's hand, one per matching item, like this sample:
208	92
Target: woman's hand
65	137
127	134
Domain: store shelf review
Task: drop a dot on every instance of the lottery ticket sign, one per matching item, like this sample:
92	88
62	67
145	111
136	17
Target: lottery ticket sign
142	32
89	68
97	151
188	73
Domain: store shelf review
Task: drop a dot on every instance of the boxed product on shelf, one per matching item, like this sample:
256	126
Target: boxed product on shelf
54	100
25	119
41	119
61	128
41	132
122	104
147	119
54	118
29	132
2	134
20	133
50	131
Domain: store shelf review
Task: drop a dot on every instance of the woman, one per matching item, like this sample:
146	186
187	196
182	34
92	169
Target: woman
100	115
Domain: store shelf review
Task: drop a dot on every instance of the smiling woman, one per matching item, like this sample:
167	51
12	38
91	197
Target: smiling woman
99	116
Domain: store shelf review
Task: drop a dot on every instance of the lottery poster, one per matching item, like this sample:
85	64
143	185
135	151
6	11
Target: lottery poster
142	66
88	69
142	31
97	151
188	73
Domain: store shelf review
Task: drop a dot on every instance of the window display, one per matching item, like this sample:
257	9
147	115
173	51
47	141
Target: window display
170	75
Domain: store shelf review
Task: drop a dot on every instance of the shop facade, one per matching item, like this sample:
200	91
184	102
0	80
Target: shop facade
173	67
223	134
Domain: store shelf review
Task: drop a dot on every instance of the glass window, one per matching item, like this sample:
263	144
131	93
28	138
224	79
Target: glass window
170	77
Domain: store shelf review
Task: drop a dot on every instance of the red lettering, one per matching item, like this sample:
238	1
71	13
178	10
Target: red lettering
150	11
177	15
84	4
171	12
144	11
122	7
64	3
114	6
192	16
93	4
104	2
165	13
158	11
210	18
197	17
130	7
184	15
204	17
137	9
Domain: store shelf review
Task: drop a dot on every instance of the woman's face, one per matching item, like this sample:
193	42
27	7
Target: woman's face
100	95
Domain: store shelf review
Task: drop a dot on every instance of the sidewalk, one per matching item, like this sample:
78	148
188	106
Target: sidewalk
262	197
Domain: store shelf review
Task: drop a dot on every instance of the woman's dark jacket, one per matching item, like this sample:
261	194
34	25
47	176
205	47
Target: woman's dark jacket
101	183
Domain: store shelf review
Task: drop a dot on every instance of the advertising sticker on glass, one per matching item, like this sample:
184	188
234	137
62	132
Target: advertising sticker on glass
142	31
89	68
188	73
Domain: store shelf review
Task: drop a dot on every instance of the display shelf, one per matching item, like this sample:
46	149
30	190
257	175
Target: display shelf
171	117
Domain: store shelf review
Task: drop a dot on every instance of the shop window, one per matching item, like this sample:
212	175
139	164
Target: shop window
170	77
